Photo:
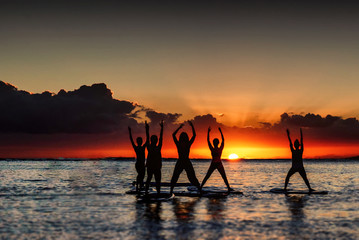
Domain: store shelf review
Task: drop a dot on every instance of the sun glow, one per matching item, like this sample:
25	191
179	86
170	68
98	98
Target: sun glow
233	156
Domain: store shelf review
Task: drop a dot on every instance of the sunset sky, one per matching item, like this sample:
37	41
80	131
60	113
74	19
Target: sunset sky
237	65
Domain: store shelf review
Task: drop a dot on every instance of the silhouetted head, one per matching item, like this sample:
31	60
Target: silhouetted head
215	142
154	140
296	144
139	141
183	138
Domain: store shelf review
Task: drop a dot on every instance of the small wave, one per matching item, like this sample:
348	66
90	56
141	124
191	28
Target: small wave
46	196
35	180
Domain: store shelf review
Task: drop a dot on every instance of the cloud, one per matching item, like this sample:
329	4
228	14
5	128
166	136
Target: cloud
266	125
89	122
309	120
89	109
206	121
92	109
318	127
156	117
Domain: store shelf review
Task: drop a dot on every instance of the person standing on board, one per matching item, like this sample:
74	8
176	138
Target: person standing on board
216	163
297	161
140	159
154	158
183	163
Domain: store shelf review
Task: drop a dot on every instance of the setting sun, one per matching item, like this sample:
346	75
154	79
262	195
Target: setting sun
233	156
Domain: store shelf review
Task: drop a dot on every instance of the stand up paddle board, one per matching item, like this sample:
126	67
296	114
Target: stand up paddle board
168	184
289	191
213	190
204	194
133	191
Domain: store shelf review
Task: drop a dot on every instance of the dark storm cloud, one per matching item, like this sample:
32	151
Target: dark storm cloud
206	121
319	127
313	120
156	117
89	109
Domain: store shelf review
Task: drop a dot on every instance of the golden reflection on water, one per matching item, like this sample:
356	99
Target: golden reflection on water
184	208
62	199
215	208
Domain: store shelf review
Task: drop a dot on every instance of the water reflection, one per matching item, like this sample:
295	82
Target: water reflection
216	208
184	210
153	211
149	221
216	214
296	206
30	210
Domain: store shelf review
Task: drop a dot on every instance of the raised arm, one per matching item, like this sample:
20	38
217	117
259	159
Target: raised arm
174	134
290	140
301	139
222	144
132	142
208	141
147	140
161	135
147	134
193	133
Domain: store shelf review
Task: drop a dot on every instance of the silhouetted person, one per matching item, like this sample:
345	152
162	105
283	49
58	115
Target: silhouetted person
183	163
216	159
140	159
154	158
297	160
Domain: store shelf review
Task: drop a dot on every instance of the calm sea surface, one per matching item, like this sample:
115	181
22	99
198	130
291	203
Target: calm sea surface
87	200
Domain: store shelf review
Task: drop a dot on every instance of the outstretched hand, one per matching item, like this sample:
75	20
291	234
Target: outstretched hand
161	123
288	131
209	129
190	123
220	129
181	126
129	129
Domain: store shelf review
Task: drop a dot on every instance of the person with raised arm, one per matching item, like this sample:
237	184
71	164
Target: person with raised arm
297	161
183	163
154	158
216	163
140	159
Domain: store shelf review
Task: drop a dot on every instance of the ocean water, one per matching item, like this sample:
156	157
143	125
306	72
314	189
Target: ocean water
87	200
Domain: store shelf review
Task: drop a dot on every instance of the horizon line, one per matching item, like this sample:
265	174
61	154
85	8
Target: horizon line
170	159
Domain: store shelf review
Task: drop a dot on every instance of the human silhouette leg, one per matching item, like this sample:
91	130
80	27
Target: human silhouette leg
137	182
148	181
140	177
176	173
191	174
137	178
290	173
220	169
212	167
158	180
304	176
